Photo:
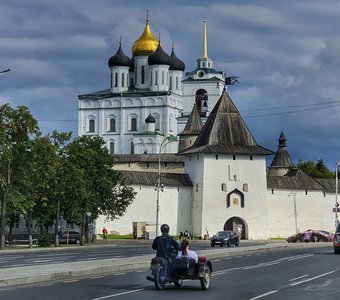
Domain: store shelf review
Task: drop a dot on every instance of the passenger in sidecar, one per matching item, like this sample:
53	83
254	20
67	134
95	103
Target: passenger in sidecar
184	268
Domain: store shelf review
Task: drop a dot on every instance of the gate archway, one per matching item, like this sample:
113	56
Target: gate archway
238	225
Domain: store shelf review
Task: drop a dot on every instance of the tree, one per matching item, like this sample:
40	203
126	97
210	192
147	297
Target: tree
43	183
57	182
92	186
17	126
315	170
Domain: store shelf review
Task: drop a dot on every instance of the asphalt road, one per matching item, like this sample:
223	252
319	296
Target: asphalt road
128	248
309	273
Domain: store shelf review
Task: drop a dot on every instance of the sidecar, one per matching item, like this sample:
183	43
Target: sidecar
181	269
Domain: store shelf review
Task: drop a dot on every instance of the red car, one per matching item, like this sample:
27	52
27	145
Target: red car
336	242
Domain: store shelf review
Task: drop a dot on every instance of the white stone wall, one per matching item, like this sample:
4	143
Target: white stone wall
195	169
210	209
292	211
174	209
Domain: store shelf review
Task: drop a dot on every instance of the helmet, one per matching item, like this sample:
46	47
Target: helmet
165	228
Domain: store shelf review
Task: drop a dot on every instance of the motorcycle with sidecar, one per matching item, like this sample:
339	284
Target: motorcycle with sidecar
178	269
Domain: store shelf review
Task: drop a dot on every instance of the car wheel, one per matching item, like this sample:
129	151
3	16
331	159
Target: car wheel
336	251
228	244
221	245
77	242
212	245
237	243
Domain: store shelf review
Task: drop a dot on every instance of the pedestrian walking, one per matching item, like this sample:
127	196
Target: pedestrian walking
104	232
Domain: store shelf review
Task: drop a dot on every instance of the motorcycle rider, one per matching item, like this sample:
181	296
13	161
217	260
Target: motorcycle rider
166	247
165	244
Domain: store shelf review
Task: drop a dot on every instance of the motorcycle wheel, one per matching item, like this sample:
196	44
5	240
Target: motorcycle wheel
159	278
178	283
205	280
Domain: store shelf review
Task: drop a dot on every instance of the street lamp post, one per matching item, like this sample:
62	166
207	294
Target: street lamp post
160	186
336	193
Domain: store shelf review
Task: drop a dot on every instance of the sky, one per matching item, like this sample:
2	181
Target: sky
286	54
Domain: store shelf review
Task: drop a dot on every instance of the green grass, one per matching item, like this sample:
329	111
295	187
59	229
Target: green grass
118	237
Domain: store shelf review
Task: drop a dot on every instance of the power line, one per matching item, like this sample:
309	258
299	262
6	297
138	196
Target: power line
317	106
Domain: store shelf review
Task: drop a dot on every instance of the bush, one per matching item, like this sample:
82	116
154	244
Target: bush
45	240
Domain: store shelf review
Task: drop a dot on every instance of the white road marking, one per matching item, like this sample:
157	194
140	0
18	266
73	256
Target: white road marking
299	257
313	278
218	273
71	281
46	284
119	294
299	277
96	277
41	260
118	274
263	295
13	266
261	265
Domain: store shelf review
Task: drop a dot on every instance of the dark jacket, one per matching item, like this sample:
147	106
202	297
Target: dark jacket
165	246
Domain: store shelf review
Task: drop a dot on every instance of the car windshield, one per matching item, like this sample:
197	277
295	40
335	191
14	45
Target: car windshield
222	233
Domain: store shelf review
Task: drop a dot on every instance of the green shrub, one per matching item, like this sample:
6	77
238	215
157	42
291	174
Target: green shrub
45	240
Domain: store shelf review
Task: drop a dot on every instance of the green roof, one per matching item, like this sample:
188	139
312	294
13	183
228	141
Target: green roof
130	93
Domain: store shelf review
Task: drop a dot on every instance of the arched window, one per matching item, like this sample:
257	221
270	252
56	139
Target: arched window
170	82
91	125
142	75
201	101
112	125
133	124
162	77
112	148
123	77
116	79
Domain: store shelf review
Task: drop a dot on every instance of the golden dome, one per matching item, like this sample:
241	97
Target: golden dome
147	42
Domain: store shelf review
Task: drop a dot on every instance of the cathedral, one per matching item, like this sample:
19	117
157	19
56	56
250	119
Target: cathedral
183	146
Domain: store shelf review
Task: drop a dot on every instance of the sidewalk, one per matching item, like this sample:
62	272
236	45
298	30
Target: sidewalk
40	273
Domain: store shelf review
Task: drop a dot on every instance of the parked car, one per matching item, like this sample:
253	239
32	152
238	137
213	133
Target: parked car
312	236
70	237
226	237
336	242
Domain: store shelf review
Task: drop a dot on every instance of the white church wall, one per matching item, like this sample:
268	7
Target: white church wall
293	211
214	92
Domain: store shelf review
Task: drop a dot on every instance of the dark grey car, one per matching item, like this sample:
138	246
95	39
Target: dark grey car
69	237
226	237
